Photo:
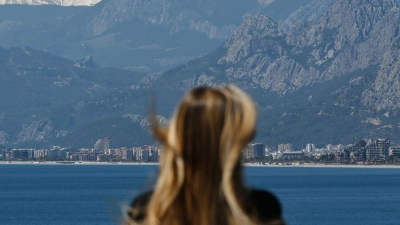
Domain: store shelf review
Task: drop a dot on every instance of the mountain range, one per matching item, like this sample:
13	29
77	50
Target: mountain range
330	76
148	36
332	79
48	100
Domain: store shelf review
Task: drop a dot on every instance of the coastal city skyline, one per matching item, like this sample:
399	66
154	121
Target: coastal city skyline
363	151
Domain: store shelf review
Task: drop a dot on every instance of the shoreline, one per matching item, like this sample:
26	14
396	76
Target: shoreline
381	166
76	163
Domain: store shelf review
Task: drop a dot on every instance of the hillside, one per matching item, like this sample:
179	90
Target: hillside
148	36
331	78
328	80
47	100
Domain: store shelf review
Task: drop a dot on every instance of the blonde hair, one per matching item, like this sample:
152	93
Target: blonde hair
200	180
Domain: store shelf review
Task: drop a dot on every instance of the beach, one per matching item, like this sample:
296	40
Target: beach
75	163
308	165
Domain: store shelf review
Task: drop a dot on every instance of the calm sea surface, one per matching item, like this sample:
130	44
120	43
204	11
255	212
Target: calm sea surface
93	194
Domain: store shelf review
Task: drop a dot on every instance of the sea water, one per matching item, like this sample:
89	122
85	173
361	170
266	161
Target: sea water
94	194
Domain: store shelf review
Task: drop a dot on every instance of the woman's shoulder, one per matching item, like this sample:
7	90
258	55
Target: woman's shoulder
266	204
142	199
138	206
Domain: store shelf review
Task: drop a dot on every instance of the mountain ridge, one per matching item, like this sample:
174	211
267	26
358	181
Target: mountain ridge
48	99
325	81
148	36
348	68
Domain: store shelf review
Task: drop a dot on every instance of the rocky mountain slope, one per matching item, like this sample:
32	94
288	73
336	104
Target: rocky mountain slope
327	80
47	100
330	78
149	36
309	12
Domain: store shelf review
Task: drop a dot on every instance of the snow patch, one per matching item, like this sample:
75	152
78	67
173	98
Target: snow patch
51	2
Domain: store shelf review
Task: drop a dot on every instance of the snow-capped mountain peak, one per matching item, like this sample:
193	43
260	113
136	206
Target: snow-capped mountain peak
51	2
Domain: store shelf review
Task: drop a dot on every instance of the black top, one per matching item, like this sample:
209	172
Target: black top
266	204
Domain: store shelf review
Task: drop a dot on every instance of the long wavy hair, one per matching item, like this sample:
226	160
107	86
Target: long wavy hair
200	179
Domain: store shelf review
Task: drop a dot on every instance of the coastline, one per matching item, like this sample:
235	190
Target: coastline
77	163
381	166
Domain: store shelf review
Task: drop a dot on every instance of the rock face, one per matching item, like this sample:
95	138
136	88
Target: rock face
384	93
87	63
148	36
244	40
307	13
3	138
312	51
39	130
174	15
339	64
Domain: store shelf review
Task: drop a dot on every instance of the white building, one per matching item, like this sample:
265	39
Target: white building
254	150
292	155
102	145
310	148
285	147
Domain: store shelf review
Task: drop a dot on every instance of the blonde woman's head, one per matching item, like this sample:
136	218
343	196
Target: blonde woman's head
200	179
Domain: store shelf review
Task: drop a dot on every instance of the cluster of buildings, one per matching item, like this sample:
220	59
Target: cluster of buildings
102	152
253	150
363	151
372	150
261	151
